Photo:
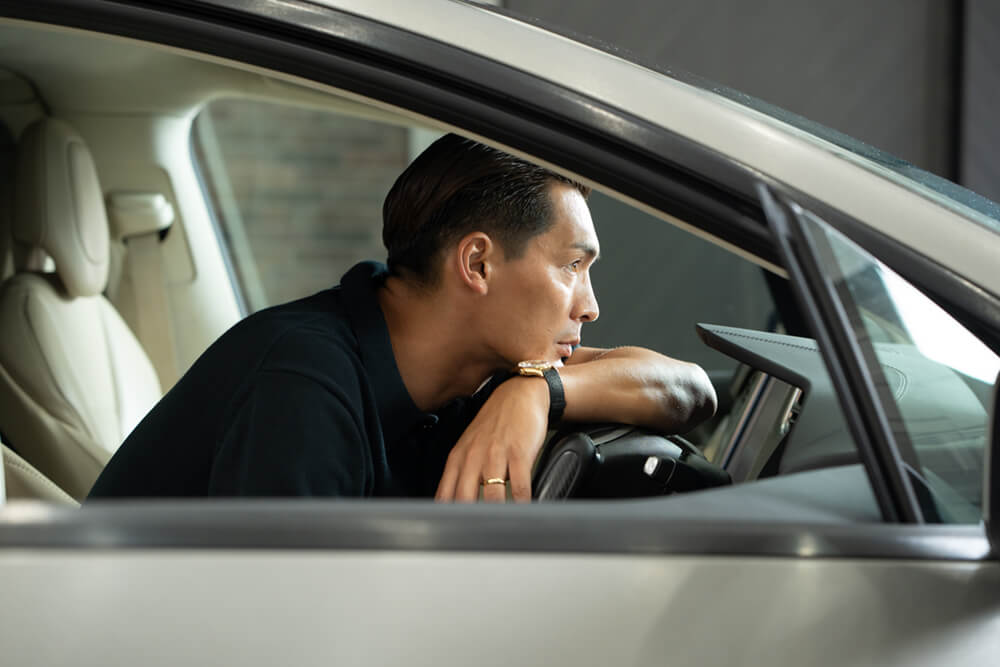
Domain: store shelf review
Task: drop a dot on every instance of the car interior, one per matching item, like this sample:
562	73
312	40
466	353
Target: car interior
127	247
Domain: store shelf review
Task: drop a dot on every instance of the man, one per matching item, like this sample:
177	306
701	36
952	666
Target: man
382	386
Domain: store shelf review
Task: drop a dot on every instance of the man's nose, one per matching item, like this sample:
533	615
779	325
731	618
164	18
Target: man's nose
587	310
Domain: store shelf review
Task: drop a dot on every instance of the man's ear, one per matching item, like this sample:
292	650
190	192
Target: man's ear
475	255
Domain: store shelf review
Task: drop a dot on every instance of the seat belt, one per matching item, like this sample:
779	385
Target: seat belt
142	220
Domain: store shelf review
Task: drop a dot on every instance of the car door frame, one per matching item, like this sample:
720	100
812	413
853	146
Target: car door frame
551	122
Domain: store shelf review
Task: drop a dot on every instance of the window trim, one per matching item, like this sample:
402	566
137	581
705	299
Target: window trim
214	216
850	376
577	527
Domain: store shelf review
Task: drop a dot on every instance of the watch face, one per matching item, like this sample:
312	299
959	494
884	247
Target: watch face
534	365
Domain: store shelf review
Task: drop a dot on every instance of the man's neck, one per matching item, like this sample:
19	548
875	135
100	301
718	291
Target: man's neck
436	356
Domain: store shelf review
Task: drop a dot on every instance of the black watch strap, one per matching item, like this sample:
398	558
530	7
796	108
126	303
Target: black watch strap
557	397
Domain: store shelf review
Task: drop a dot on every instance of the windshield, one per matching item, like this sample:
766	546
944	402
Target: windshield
937	375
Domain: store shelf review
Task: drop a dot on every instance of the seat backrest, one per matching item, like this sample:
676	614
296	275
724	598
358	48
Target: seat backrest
73	378
21	481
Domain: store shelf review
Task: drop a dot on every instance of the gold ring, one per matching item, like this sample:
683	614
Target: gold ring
496	480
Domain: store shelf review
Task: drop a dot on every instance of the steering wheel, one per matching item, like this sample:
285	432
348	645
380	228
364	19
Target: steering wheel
618	461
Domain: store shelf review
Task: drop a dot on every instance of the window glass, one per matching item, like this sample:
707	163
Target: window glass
298	192
938	374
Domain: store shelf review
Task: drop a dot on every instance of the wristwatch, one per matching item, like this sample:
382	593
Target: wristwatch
545	369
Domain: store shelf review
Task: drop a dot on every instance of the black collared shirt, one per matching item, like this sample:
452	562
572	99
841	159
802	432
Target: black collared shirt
303	399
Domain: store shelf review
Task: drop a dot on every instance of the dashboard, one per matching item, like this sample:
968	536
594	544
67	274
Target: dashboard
786	418
785	432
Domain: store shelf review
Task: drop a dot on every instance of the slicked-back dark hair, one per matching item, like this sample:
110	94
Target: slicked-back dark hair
458	186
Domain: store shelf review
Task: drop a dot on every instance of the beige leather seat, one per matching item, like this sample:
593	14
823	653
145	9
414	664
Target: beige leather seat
22	482
73	378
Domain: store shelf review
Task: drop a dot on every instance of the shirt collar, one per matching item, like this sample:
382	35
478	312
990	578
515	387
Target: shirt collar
398	414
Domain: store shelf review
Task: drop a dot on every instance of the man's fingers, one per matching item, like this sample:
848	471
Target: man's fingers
470	477
494	493
449	478
520	481
495	469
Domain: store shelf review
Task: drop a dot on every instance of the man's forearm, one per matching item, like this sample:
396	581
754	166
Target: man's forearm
637	386
627	385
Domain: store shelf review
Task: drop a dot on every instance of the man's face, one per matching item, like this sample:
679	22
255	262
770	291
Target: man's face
539	301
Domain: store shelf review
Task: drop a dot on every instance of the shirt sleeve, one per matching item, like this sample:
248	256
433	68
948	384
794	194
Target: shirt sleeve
292	436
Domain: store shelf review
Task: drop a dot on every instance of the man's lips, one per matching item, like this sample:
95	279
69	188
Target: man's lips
566	346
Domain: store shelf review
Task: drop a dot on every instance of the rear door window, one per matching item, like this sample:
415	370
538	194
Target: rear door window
297	191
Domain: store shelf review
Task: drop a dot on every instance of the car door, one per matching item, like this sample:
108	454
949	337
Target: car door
741	575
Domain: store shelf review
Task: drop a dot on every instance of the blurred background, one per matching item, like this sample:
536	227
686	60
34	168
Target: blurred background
299	191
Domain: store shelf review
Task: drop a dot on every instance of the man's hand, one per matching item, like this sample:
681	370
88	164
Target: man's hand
633	385
627	385
502	442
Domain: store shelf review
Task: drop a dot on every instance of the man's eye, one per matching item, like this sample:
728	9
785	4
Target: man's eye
575	266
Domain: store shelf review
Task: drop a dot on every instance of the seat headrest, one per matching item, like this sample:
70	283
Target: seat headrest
59	207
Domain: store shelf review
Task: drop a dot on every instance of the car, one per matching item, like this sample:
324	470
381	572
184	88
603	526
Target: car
839	509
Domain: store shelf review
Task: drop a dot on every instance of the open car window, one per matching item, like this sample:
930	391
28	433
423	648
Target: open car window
297	194
294	179
295	183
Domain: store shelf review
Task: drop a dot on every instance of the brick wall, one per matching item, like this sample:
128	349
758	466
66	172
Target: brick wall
309	187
